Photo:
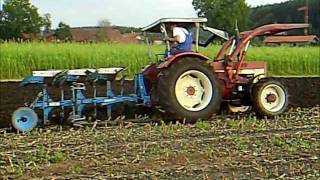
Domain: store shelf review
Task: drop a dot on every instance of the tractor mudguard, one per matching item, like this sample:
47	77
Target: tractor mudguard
151	72
170	60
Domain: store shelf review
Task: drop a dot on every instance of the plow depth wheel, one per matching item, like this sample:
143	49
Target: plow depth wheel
189	90
270	98
24	119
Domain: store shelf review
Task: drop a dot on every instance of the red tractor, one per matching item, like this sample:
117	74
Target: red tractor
190	86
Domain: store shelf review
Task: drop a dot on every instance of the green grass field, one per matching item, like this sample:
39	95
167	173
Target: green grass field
18	60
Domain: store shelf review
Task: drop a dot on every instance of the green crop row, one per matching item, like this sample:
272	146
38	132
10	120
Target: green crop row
18	60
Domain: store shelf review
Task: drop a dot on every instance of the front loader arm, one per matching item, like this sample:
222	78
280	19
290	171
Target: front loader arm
240	49
247	36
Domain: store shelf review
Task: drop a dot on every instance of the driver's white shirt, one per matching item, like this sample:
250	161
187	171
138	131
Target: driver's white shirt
181	32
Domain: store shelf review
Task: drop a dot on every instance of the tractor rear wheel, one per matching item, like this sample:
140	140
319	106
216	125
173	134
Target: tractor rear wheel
269	98
189	90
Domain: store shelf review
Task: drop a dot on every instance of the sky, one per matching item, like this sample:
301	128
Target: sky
133	13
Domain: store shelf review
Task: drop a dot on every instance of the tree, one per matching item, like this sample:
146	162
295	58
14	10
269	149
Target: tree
104	23
63	32
47	22
101	35
17	17
223	14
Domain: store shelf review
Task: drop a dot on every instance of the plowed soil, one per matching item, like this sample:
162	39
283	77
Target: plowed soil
304	92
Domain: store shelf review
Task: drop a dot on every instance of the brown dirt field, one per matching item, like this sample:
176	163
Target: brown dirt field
304	92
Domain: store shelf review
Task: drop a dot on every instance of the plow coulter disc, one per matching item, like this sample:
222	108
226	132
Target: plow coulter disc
24	119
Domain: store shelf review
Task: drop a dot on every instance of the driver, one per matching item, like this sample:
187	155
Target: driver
180	42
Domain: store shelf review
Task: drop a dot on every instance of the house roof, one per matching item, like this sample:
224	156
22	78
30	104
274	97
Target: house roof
90	34
291	39
84	34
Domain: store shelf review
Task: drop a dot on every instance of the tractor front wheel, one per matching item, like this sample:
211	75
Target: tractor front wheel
189	90
270	98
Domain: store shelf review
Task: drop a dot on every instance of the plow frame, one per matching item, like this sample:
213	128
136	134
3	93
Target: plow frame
78	101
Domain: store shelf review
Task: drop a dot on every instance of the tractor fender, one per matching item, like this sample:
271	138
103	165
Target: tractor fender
172	59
